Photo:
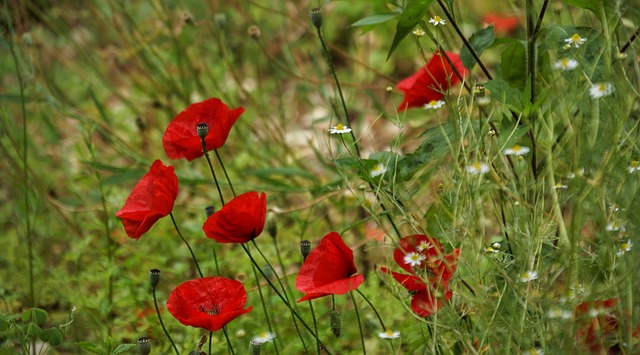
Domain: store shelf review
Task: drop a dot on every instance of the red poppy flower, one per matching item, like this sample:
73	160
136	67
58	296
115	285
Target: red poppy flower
430	272
239	221
501	23
181	138
328	270
598	322
430	82
151	199
209	302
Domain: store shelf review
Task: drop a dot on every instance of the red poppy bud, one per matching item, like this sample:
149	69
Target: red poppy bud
328	270
151	199
239	221
430	82
180	140
209	303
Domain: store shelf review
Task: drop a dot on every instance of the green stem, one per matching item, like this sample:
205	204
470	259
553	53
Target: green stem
355	307
233	192
226	336
215	179
155	303
373	308
193	256
315	325
265	308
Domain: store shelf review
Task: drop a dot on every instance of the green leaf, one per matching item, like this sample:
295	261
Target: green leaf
479	41
90	347
505	94
35	315
122	348
510	136
108	344
513	65
53	336
593	5
434	146
374	19
411	15
32	330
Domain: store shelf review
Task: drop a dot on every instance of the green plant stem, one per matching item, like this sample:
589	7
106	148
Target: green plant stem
155	303
229	345
315	324
265	307
210	341
543	10
233	192
193	256
284	300
355	307
215	179
631	39
373	308
25	162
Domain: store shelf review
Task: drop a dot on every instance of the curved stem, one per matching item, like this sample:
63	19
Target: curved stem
193	256
373	308
233	192
355	307
315	324
155	303
226	336
631	39
215	179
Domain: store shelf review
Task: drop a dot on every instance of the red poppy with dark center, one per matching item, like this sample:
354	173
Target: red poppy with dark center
431	270
501	23
151	199
239	221
431	81
209	302
181	138
328	270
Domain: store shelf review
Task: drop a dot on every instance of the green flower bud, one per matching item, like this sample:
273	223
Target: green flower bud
144	345
316	17
203	130
305	249
154	277
336	323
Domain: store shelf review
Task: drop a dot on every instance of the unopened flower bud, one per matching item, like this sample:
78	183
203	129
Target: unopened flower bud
221	20
479	89
154	277
316	17
268	271
272	227
254	32
203	130
144	345
336	324
255	347
305	249
210	210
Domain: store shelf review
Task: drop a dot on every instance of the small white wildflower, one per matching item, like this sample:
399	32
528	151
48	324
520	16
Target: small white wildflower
571	175
424	245
516	150
615	226
263	337
389	334
576	40
560	186
565	64
634	166
624	247
241	332
594	312
478	168
378	170
491	250
558	313
599	90
496	245
533	351
414	259
528	276
418	32
339	128
434	104
437	20
491	132
622	55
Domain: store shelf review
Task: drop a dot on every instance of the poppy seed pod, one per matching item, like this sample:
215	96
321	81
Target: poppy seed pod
255	347
154	277
272	227
203	130
144	345
210	210
316	17
254	32
305	248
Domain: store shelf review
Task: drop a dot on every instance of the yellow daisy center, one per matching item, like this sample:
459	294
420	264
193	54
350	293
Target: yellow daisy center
602	87
437	19
576	38
339	127
635	164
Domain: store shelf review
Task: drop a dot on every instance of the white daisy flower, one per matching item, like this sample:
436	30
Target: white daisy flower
263	337
516	150
565	64
434	104
615	226
389	334
533	351
378	170
418	32
339	128
437	20
491	250
528	276
599	90
424	245
414	259
576	40
624	247
559	313
560	185
478	168
634	166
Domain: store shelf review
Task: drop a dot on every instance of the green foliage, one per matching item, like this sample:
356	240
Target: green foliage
108	347
412	13
480	40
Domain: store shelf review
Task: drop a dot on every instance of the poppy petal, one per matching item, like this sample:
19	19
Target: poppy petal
239	221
